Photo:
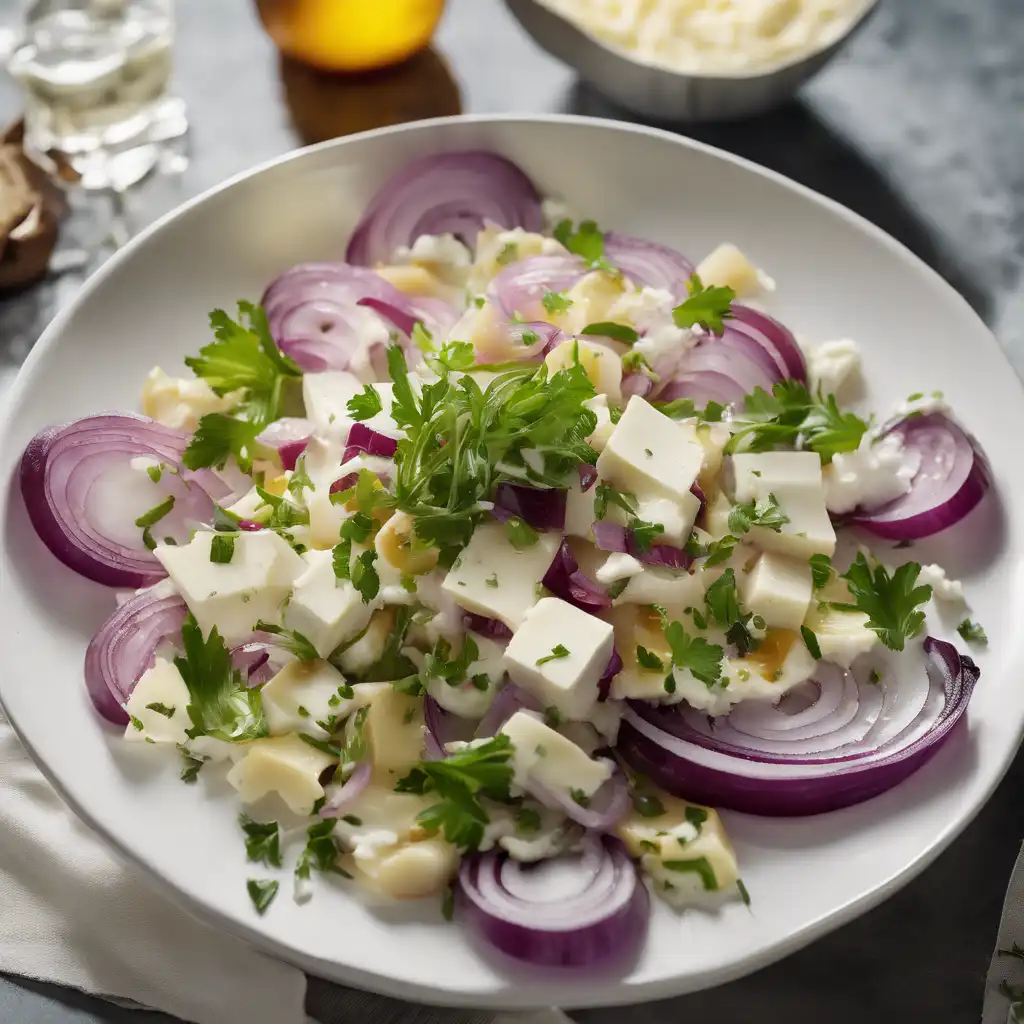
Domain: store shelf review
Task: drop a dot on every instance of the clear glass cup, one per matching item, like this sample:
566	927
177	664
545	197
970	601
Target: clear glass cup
96	76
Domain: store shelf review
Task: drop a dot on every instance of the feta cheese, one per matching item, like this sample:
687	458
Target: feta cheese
302	694
493	577
159	687
590	301
579	509
871	476
943	588
602	366
665	587
497	247
443	255
619	566
779	590
368	649
323	608
559	654
554	211
650	454
795	479
249	506
923	405
234	595
598	405
842	635
285	765
397	546
677	517
545	758
728	267
662	343
325	396
687	855
831	365
179	402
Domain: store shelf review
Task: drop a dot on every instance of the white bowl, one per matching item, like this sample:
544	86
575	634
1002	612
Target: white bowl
837	276
661	93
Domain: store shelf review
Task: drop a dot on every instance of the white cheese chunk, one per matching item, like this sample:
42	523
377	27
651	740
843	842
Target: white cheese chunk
323	608
758	475
677	517
159	704
943	588
619	566
549	759
728	267
598	405
579	509
285	765
665	587
493	577
302	694
871	476
394	730
443	255
650	454
180	402
779	590
831	365
559	654
602	366
472	696
233	595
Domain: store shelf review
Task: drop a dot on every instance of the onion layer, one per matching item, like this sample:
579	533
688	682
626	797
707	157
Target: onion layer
341	797
952	478
826	745
648	264
60	473
543	509
125	647
578	911
565	580
445	194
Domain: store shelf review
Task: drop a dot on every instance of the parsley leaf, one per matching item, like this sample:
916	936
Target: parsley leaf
460	780
763	512
321	851
644	534
720	551
291	640
220	704
557	652
222	548
605	495
972	632
890	602
811	642
366	404
161	709
364	576
649	660
706	307
789	418
262	841
342	559
587	242
262	892
703	659
299	479
722	599
155	514
555	302
520	533
699	866
821	571
617	332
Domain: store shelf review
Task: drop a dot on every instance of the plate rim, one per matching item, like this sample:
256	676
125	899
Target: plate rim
514	997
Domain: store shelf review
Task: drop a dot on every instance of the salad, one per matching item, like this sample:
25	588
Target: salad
489	564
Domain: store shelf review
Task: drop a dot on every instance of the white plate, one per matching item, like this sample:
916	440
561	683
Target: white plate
837	277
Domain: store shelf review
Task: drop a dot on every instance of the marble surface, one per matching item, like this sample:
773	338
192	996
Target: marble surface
918	127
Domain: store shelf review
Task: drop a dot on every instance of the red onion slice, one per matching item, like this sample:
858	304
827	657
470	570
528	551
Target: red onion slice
820	748
362	439
565	580
125	647
520	287
703	386
445	194
773	337
314	314
64	476
613	537
649	264
543	509
606	808
255	661
510	699
612	669
438	730
288	437
581	910
493	629
952	478
636	384
340	798
588	476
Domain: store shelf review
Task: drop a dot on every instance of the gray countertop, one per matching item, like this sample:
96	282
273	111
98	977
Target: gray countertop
918	127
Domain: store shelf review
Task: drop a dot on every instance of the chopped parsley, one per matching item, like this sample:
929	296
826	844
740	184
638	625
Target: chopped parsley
579	797
520	533
644	534
811	642
262	841
586	242
821	571
137	723
617	332
262	892
972	632
366	404
156	513
291	640
702	659
321	852
606	495
891	603
720	551
558	651
460	780
222	548
706	307
648	806
528	820
764	512
509	254
161	709
699	866
555	303
649	660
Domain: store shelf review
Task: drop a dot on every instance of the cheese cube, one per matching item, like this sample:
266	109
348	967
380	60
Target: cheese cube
779	590
685	851
323	608
728	267
598	405
649	454
394	730
559	654
579	510
677	517
160	687
233	595
756	476
416	870
300	695
493	577
326	395
640	626
549	759
285	765
665	587
369	648
619	566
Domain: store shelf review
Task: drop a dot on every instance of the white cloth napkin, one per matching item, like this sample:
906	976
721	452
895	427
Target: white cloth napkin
75	914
